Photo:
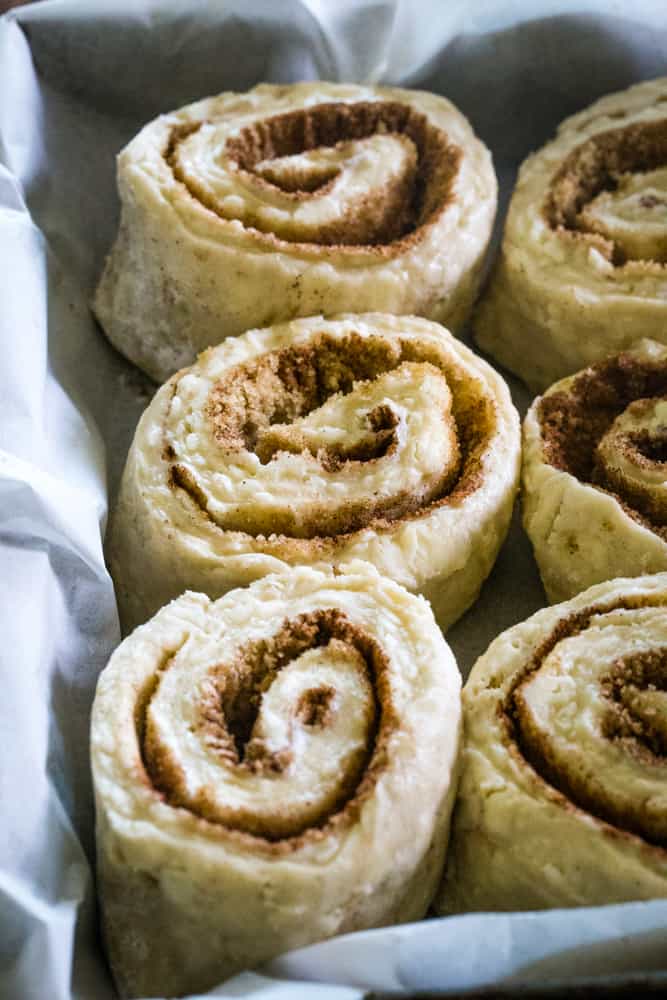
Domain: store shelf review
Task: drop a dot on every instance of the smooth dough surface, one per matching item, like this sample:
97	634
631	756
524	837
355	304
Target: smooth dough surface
582	272
270	770
563	794
314	442
244	210
594	475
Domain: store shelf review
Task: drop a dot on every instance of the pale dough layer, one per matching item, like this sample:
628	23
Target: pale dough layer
518	843
210	246
557	301
581	533
189	900
182	485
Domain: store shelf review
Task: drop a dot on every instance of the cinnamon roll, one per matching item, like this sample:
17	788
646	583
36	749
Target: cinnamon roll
314	442
563	794
595	472
583	267
270	770
248	209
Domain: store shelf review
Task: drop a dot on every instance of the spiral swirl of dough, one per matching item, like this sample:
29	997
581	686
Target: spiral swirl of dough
583	267
594	472
270	769
631	458
247	209
372	437
563	796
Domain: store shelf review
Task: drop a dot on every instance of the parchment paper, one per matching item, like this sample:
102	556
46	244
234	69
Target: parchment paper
77	80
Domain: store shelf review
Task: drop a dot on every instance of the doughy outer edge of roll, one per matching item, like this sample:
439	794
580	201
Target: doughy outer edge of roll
158	547
164	869
517	843
580	534
180	277
555	305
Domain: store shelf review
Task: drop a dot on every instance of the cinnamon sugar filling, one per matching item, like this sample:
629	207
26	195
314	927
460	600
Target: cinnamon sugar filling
227	716
597	165
387	220
651	447
643	451
631	718
641	729
251	406
283	385
573	421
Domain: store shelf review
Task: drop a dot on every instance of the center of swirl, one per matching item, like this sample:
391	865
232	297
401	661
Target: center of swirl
612	191
631	458
590	715
318	439
609	429
367	173
278	740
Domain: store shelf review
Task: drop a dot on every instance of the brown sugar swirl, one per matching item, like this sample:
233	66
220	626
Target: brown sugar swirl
366	174
270	769
250	209
333	428
285	730
595	472
563	800
629	713
612	192
369	436
583	268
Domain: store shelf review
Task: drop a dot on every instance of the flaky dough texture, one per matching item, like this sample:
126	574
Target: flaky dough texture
583	267
563	794
314	442
595	473
270	770
244	210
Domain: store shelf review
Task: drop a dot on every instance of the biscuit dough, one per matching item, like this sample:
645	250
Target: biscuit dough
563	794
245	210
595	473
582	272
270	770
314	442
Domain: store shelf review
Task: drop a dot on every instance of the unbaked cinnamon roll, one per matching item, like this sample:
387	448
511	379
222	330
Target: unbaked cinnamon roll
248	209
270	770
583	267
595	472
374	437
563	795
